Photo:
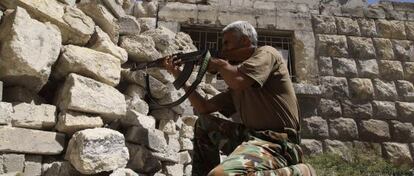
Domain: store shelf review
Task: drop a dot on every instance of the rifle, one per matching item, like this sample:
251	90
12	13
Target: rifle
201	58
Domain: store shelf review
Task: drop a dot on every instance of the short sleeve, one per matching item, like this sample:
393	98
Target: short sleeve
224	102
259	66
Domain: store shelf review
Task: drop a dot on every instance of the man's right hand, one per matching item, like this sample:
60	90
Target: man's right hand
172	66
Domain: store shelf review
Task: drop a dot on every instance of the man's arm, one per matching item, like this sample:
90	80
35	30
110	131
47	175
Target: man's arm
235	79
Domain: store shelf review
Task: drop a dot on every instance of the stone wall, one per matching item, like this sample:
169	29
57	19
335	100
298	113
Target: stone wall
354	67
69	102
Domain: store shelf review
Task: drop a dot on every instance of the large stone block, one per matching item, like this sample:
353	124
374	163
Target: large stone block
174	169
90	63
134	118
351	109
158	89
31	47
384	49
6	111
409	70
100	41
343	128
374	12
361	47
368	68
311	146
33	165
406	90
96	150
71	122
368	147
174	11
129	25
374	130
404	50
332	45
406	110
140	48
168	127
398	153
368	28
1	91
152	138
46	143
324	24
384	110
325	66
61	168
345	67
137	104
403	132
13	163
329	108
391	70
87	95
185	144
315	127
347	26
361	89
391	29
343	149
115	7
334	87
385	90
41	117
21	94
102	17
75	27
142	160
410	30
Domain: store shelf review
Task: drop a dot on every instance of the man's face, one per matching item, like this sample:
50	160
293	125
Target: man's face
231	41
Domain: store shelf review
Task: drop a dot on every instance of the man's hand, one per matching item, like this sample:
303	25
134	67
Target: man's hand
216	64
172	66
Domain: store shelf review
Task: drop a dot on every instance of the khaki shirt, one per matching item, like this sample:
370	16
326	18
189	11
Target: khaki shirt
270	104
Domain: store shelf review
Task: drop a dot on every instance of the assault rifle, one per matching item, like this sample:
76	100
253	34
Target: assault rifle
190	60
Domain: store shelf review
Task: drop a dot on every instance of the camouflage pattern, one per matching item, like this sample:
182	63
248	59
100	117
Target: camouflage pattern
249	152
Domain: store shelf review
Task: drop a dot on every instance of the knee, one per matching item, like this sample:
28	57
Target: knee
217	171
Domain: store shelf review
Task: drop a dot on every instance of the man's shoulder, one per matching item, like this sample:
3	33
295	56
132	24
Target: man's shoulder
269	49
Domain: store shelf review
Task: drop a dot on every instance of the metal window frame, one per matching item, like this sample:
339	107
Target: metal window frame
278	39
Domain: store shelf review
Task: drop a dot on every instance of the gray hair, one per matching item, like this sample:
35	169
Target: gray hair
243	28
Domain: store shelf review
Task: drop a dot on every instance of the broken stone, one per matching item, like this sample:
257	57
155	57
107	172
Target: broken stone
158	89
185	158
134	118
311	146
134	90
100	41
152	138
34	116
102	17
129	25
75	27
137	104
13	163
123	172
147	23
46	143
87	95
87	62
115	7
96	150
71	122
6	111
140	48
33	165
167	126
164	40
174	170
142	159
185	144
61	168
31	67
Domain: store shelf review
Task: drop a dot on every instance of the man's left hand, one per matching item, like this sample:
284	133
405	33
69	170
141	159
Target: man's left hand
216	64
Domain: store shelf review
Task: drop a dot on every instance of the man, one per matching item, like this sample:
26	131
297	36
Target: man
261	93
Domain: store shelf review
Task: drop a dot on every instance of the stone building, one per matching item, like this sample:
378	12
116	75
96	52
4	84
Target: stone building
70	105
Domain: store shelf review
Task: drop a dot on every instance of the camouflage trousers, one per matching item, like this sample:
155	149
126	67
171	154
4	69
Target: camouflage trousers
249	152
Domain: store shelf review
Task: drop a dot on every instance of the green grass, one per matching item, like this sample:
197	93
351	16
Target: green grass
359	164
